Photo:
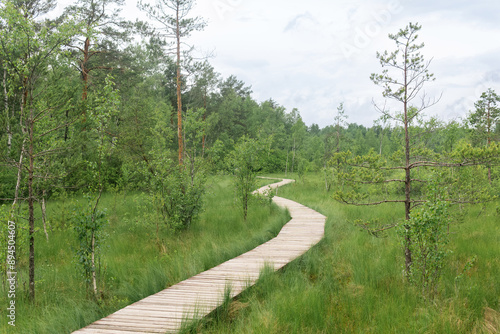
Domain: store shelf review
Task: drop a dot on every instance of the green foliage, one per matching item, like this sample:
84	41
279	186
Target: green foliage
266	196
96	143
245	162
4	232
360	179
177	190
178	196
79	139
17	214
352	282
466	270
485	118
407	56
194	130
428	230
88	224
7	182
217	155
132	266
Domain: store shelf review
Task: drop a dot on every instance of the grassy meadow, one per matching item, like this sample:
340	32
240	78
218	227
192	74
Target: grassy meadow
135	260
352	282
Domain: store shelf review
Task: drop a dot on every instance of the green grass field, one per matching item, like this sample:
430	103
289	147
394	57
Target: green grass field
135	262
352	282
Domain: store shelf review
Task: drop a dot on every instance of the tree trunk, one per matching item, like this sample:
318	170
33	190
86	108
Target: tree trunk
14	203
85	73
381	140
44	220
489	137
338	138
94	279
326	177
203	137
19	176
204	119
6	106
31	206
66	129
245	207
293	156
408	259
179	100
286	165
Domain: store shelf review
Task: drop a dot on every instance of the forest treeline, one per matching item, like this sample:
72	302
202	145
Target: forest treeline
93	103
59	73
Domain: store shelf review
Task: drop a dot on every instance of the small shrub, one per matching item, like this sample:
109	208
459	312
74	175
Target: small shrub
88	224
429	238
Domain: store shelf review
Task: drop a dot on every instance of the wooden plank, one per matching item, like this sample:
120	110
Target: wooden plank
160	314
129	328
135	324
199	295
88	330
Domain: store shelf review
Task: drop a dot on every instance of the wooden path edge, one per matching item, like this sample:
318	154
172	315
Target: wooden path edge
195	297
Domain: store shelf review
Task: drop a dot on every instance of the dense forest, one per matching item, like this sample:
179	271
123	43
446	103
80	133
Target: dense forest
93	104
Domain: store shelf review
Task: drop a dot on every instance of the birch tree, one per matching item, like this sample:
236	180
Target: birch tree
30	47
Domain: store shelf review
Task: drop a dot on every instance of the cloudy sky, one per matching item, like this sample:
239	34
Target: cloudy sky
313	55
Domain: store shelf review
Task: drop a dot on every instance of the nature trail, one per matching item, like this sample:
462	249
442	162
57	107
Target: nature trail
195	297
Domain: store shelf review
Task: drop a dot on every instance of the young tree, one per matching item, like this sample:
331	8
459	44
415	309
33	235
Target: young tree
372	175
90	221
6	107
485	118
245	161
340	121
30	48
299	131
409	62
381	125
174	24
337	134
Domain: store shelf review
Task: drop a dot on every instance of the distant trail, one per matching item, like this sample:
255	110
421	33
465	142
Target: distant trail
165	311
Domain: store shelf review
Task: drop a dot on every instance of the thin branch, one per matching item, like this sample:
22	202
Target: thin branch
378	182
373	203
377	231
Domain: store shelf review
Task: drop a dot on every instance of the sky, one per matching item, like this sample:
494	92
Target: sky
313	55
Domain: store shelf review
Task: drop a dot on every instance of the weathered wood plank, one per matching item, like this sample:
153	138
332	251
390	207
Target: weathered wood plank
199	295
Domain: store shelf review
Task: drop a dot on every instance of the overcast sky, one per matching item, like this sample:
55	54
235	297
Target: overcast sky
313	55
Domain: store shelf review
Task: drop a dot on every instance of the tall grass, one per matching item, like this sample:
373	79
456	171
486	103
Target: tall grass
135	262
352	282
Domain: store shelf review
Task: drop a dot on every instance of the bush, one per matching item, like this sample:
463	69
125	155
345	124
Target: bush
177	193
429	238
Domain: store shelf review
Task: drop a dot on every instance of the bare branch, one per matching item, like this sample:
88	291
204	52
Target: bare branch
377	231
372	203
380	181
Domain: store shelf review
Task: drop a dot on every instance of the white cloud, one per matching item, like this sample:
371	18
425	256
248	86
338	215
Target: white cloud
294	51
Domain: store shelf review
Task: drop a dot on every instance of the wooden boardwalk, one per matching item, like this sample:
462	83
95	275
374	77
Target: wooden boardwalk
165	311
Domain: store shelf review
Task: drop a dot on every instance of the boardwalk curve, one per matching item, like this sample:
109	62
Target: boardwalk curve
165	311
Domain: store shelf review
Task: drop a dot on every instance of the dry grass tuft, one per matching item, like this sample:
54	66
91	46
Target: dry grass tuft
491	321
